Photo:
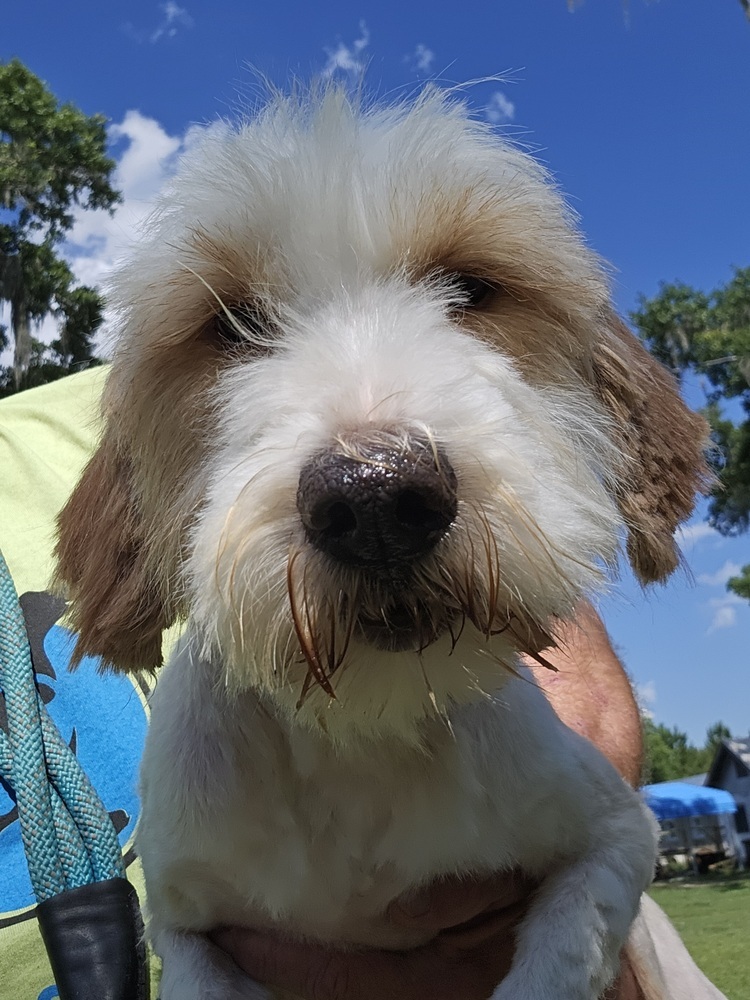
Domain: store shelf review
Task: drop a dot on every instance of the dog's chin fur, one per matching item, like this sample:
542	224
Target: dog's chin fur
383	696
329	278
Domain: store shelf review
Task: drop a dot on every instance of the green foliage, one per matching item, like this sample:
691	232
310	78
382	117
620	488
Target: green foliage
687	329
51	158
47	363
670	756
709	335
52	162
741	584
714	736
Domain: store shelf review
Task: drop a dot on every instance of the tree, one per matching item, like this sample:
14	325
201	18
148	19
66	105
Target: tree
670	756
52	162
709	335
714	736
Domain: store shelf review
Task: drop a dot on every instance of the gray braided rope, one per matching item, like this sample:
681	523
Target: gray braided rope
67	834
28	775
93	828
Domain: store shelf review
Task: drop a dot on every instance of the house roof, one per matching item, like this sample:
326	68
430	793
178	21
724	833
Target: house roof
739	749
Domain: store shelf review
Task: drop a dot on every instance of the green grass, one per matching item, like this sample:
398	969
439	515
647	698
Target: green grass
712	914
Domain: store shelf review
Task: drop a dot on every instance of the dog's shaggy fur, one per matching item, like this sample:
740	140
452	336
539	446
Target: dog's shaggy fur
330	294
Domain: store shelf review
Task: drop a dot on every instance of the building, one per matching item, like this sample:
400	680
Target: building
730	770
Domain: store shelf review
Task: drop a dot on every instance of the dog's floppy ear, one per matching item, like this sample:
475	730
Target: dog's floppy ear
102	565
664	444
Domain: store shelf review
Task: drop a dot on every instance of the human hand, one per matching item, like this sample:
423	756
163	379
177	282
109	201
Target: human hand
472	921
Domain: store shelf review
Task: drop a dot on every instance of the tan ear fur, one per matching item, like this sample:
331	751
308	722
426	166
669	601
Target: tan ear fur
102	567
664	443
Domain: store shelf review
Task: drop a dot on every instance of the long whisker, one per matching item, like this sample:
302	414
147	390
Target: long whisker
306	685
303	629
455	636
350	603
433	699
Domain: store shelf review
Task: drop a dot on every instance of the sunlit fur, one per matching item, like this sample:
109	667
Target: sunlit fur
300	289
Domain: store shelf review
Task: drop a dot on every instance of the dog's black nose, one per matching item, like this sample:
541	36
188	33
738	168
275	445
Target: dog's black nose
377	506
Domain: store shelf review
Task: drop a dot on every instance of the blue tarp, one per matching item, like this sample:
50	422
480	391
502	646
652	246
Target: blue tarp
672	799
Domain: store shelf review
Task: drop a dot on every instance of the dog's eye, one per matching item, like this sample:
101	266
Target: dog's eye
475	292
242	326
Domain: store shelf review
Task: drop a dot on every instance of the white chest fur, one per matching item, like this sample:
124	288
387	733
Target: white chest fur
253	820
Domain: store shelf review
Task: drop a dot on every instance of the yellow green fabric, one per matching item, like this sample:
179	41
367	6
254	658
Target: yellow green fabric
46	436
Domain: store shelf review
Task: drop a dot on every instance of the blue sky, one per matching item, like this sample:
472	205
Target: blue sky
643	119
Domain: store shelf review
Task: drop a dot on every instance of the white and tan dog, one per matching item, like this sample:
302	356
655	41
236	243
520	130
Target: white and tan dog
372	429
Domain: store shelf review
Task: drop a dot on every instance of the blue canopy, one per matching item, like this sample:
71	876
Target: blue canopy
672	799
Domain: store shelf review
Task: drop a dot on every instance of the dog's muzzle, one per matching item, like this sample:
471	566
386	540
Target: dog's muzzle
380	509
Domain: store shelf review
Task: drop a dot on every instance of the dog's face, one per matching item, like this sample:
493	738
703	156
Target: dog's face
372	424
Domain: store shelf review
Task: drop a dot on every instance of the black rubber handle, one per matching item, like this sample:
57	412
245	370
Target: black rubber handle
94	940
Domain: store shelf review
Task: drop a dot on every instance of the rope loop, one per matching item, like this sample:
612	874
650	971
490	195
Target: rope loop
67	834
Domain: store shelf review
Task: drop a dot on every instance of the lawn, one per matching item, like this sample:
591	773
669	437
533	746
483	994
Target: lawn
712	915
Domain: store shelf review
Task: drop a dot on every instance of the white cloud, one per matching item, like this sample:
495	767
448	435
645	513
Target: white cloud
724	612
721	576
724	617
173	18
423	58
500	110
147	161
692	534
148	158
646	697
346	59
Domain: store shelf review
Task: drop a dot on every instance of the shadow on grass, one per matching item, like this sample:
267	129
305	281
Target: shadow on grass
723	881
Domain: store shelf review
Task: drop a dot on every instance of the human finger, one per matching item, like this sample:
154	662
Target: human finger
453	901
317	972
493	929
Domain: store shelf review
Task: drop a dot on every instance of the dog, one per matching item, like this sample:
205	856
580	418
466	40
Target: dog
372	429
